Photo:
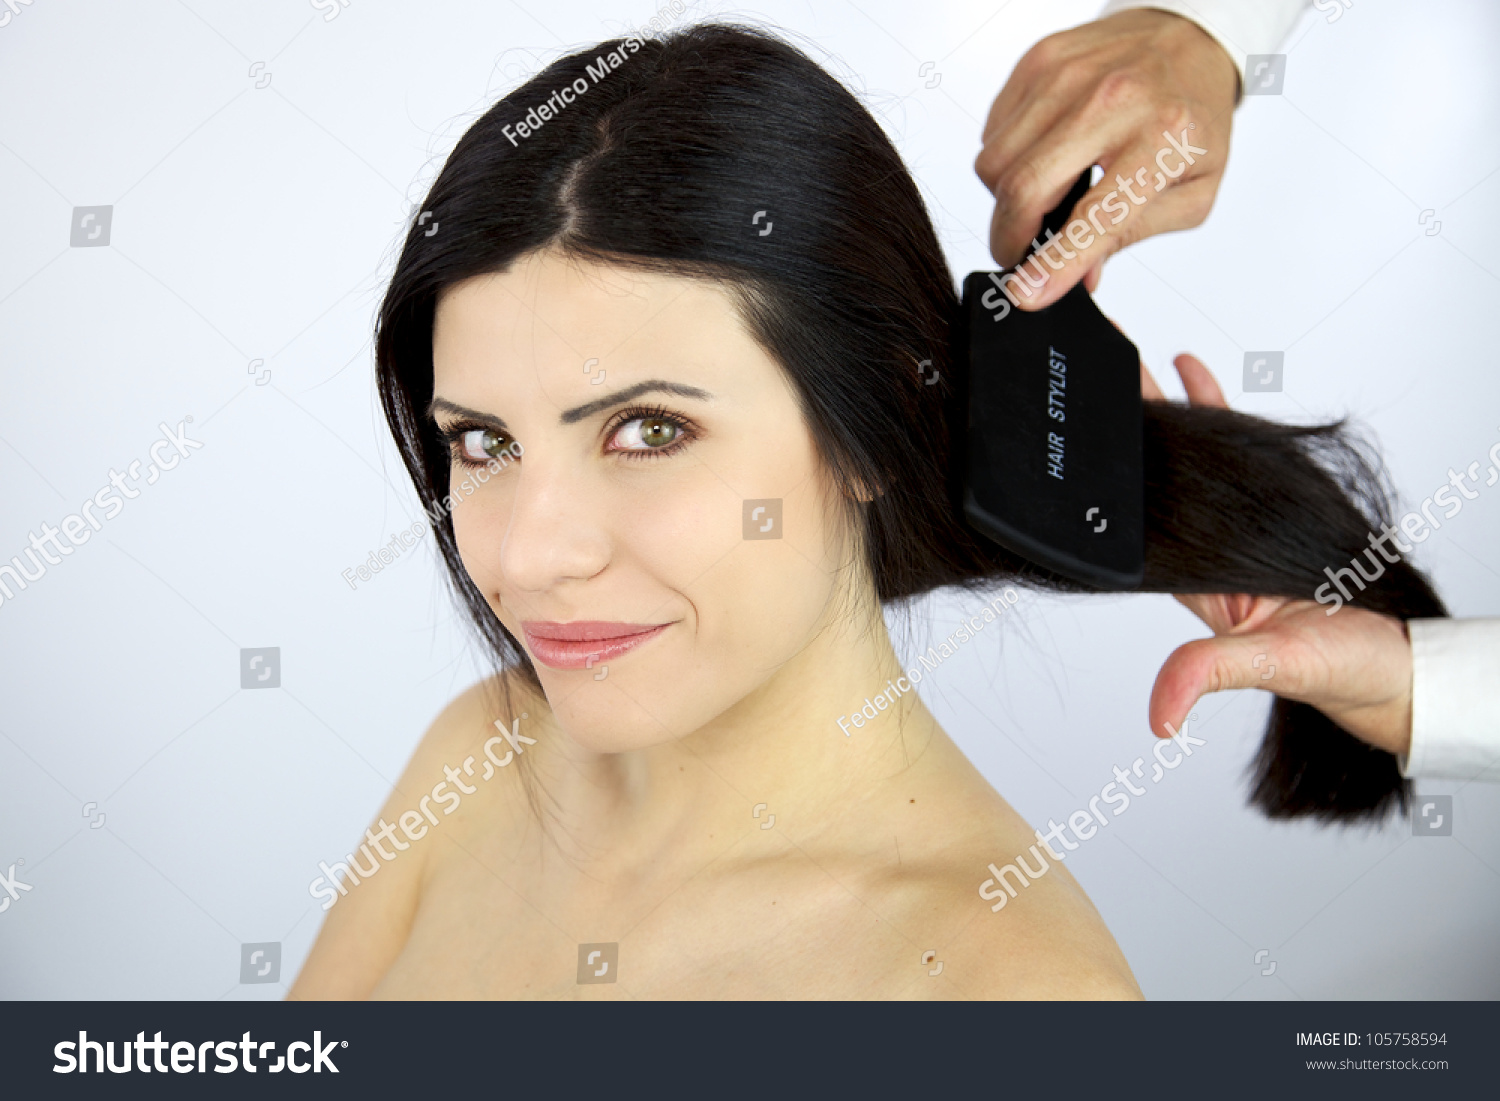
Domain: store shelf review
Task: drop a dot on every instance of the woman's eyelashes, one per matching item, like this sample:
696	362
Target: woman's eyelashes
635	433
475	445
648	433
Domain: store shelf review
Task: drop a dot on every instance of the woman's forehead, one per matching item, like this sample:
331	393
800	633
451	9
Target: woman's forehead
549	291
561	316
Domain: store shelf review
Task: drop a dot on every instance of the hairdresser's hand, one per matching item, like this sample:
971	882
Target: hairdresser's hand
1354	666
1103	93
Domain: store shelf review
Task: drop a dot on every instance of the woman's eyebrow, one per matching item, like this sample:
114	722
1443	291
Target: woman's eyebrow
443	405
578	413
620	397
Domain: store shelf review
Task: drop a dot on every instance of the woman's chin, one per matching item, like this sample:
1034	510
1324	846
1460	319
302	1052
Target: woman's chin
604	718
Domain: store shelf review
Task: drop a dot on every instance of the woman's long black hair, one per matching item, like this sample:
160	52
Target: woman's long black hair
661	155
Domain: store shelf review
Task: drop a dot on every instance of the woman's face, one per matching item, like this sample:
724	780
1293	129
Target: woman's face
669	538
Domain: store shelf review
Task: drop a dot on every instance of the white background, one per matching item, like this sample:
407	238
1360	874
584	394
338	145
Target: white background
259	223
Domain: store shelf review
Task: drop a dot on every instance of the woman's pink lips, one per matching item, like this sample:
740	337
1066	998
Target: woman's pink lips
584	643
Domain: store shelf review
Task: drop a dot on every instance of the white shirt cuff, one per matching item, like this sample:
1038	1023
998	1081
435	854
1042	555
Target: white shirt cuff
1455	699
1242	27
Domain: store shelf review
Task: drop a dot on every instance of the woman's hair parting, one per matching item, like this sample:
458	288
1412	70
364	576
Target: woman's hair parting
659	153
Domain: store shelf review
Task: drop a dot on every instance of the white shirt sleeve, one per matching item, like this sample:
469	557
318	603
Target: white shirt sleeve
1242	27
1455	699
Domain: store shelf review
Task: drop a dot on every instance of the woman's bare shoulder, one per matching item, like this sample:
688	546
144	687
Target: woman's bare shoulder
369	921
1008	919
1034	934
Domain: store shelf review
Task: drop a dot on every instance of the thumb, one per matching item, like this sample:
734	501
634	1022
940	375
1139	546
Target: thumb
1195	669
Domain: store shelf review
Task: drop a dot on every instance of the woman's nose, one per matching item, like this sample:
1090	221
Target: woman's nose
556	532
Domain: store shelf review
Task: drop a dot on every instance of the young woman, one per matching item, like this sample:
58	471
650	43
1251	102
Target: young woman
690	284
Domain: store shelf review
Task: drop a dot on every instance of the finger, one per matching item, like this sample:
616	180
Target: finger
1042	73
1211	608
1149	390
1021	116
1209	665
1035	164
1091	280
1024	89
1108	207
1038	96
1024	195
1201	386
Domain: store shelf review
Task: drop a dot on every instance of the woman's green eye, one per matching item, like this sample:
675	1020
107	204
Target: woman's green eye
479	444
493	443
657	433
646	434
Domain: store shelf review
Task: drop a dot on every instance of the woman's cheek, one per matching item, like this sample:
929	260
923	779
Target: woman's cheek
479	530
676	533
